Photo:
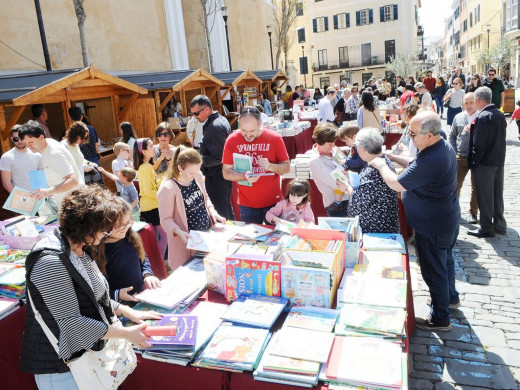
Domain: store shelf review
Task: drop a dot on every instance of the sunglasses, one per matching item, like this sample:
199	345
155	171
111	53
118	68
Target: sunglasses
491	74
196	113
249	110
16	139
166	134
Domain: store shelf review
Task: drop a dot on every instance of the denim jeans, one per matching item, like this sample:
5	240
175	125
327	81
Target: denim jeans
440	104
253	215
333	211
435	254
63	381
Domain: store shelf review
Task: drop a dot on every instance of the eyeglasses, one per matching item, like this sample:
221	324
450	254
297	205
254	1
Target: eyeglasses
249	110
166	134
196	113
16	139
123	227
491	74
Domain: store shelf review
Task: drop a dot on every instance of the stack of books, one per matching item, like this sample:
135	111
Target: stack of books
255	310
299	167
12	283
296	352
350	226
7	306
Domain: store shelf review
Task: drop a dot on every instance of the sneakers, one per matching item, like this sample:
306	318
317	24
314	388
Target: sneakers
473	219
426	324
451	306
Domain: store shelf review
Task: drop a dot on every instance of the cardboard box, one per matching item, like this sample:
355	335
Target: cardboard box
352	248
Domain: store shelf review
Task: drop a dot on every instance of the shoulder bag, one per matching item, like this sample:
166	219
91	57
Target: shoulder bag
105	369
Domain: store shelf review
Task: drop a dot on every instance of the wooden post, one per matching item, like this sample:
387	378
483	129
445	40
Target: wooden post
158	115
3	130
115	112
65	105
183	103
129	102
12	121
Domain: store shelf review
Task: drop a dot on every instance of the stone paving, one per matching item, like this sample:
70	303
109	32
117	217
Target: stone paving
482	351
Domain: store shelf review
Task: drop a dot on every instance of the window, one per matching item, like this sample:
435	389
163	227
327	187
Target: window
320	24
389	50
388	13
343	57
471	19
364	17
366	54
324	81
299	9
341	21
301	35
322	59
465	25
365	77
477	14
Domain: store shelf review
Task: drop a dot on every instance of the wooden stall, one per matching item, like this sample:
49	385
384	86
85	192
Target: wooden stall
162	86
270	77
241	81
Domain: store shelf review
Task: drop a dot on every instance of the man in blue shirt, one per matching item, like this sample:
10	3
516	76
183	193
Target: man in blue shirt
429	187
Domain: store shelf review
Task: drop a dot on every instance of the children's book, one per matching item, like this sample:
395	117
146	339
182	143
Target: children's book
255	310
284	226
169	294
339	157
353	177
383	242
374	291
304	344
243	163
377	319
339	174
22	202
313	318
186	332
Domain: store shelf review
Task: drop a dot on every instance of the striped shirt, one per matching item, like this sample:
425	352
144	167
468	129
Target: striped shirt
55	285
352	105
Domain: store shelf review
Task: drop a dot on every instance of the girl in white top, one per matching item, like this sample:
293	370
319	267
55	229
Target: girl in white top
455	96
77	134
128	136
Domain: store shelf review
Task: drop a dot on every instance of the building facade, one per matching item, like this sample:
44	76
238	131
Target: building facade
510	29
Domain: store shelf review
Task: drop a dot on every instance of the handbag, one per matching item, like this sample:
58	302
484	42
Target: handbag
105	369
447	103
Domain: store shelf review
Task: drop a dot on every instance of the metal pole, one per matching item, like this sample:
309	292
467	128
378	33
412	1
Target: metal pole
227	40
305	74
271	46
42	35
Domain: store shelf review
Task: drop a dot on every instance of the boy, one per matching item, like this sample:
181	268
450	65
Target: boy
124	155
128	192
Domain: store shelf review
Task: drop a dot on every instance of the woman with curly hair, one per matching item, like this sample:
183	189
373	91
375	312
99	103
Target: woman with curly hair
76	135
70	293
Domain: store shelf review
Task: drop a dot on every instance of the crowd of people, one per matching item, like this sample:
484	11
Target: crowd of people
182	188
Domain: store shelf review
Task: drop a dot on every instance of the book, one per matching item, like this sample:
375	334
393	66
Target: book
374	291
353	178
304	344
313	318
255	310
21	201
284	226
242	164
379	264
37	179
211	241
7	306
254	231
339	174
252	274
366	361
169	294
186	334
384	320
383	242
339	157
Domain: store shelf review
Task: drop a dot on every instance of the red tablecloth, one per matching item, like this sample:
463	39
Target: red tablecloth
392	139
152	251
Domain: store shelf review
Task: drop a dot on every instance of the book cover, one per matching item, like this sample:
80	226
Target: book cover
374	291
306	286
252	274
15	277
366	361
185	337
22	202
339	157
284	226
304	344
384	242
243	163
313	318
169	294
339	174
373	318
211	241
354	180
388	265
37	179
255	310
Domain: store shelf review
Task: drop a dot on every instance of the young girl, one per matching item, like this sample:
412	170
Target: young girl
295	206
516	116
144	152
124	263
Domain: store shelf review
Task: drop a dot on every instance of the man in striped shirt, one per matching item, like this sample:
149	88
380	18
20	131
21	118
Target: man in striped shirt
352	104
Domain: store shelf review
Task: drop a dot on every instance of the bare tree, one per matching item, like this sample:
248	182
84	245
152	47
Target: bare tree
404	64
207	19
284	17
81	15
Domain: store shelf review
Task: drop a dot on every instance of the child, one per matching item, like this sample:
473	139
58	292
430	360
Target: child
295	206
122	152
124	181
144	152
516	116
124	263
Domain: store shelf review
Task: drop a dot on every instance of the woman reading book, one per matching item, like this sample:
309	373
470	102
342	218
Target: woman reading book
184	204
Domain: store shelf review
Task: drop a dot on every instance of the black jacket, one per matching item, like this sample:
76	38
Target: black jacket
487	142
37	354
215	132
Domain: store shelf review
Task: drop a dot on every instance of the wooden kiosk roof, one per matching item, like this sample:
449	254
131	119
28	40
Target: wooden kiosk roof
271	75
20	90
175	81
238	78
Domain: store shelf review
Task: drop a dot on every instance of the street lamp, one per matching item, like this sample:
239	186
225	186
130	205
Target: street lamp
225	17
269	32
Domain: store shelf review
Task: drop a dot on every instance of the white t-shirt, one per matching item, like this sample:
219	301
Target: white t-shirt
19	164
58	163
76	154
194	126
131	143
117	165
326	112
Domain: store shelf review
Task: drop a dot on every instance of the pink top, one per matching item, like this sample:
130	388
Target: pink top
516	114
285	210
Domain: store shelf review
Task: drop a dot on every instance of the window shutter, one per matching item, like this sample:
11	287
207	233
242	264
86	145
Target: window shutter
326	20
314	25
370	16
335	18
301	35
395	11
348	20
358	18
381	14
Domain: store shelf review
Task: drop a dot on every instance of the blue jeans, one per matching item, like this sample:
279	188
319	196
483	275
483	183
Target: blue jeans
334	211
253	215
63	381
435	254
440	104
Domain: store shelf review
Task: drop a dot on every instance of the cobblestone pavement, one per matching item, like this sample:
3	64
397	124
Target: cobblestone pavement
482	351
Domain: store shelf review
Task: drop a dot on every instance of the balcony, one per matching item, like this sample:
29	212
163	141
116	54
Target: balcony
371	61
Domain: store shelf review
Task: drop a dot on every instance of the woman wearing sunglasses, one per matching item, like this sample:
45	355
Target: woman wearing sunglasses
164	151
68	290
454	95
123	261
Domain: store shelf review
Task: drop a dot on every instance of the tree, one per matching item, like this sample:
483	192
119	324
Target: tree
284	15
499	55
81	15
404	64
207	19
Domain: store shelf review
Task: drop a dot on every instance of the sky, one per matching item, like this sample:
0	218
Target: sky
432	14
